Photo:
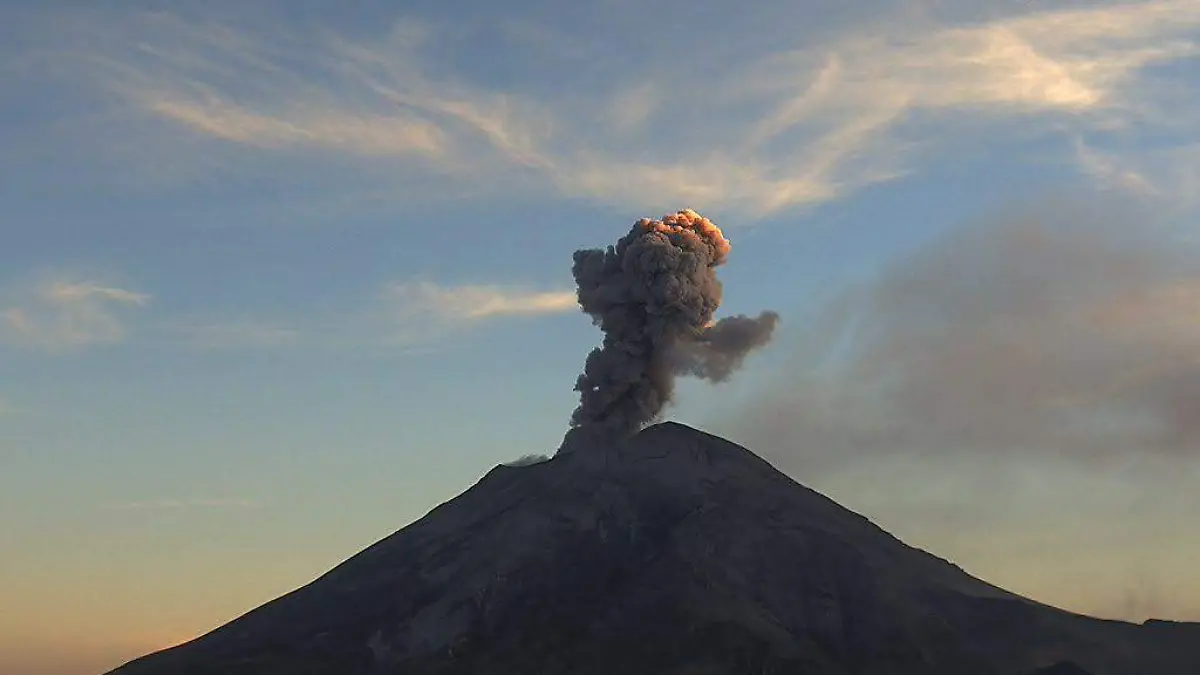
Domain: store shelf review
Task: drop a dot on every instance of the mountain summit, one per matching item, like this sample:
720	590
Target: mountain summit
674	552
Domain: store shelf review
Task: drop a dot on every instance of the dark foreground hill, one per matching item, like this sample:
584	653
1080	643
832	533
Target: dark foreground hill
674	553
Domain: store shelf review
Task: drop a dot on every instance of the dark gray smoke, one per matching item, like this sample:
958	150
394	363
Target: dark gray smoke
654	294
721	349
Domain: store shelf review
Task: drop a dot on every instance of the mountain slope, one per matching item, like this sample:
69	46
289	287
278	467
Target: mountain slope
675	552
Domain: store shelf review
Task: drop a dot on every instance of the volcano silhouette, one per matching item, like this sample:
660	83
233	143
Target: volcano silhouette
674	552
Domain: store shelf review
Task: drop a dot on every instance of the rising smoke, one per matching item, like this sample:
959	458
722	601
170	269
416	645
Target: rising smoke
1064	330
653	295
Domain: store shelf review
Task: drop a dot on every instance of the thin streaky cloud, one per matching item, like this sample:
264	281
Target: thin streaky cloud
62	314
65	292
471	303
370	136
779	130
1109	170
1171	172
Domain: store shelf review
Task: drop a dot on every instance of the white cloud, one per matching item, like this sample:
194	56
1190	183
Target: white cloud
61	314
773	130
413	316
470	303
370	136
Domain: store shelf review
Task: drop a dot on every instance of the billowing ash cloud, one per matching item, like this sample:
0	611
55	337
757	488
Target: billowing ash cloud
1067	332
654	294
721	349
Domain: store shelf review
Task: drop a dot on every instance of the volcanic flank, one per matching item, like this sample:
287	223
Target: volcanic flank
679	553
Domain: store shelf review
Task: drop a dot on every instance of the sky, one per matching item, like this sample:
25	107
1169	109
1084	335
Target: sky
276	278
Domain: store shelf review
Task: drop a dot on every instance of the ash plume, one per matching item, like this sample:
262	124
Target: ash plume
653	295
1062	330
721	348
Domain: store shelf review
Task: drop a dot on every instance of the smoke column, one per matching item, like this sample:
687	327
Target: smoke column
653	295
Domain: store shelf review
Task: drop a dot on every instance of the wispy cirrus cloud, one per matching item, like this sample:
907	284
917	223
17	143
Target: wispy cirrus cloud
417	314
369	136
1172	172
59	315
475	302
62	314
1110	171
777	128
414	313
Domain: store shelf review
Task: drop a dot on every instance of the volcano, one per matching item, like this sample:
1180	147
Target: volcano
673	552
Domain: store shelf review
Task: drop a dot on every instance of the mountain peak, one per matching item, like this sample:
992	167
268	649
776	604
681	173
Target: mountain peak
673	551
699	445
667	447
672	427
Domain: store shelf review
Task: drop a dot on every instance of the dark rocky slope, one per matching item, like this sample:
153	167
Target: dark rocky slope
1062	668
674	553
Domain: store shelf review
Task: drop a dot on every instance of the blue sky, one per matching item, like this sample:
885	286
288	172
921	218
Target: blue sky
275	280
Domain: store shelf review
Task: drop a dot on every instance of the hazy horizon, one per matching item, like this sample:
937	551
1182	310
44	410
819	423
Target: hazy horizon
277	280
